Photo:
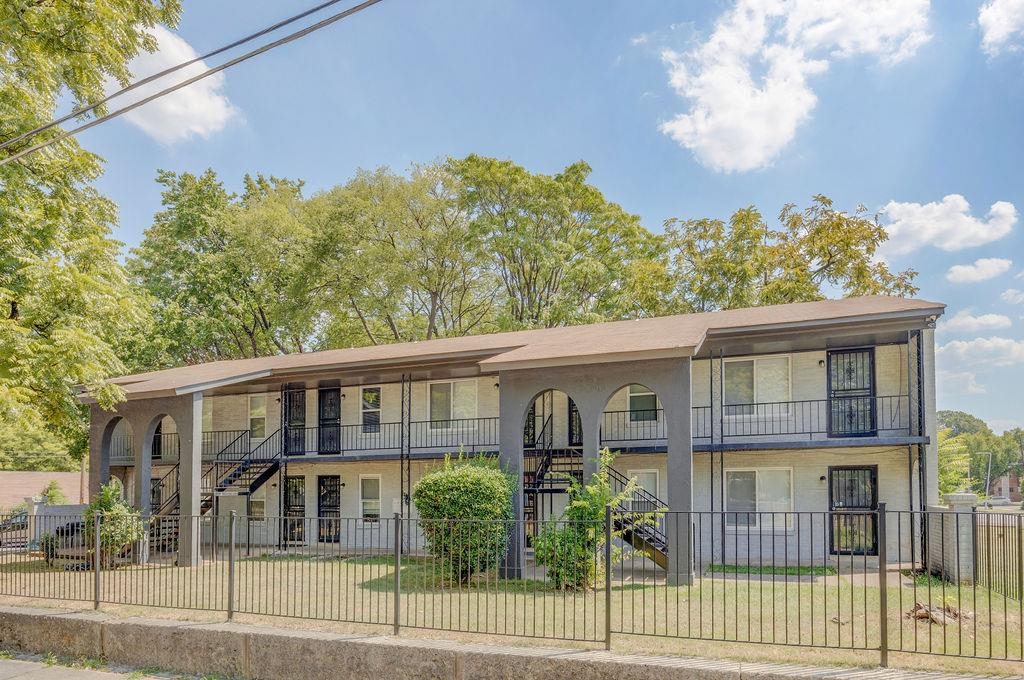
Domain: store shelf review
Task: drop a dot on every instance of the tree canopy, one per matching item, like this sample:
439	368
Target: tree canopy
65	303
463	246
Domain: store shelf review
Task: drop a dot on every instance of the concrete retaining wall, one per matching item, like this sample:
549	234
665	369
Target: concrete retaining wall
242	651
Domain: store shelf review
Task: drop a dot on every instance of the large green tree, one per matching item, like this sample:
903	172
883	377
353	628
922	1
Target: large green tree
395	258
216	268
564	253
64	299
813	253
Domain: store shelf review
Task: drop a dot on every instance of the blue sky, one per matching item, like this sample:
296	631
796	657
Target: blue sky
683	110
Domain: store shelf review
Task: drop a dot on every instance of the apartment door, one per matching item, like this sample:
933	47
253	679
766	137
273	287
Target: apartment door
575	425
530	428
329	420
295	509
851	393
853	500
329	508
295	421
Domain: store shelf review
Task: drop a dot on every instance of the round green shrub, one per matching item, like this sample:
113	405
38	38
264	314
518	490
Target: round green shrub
465	510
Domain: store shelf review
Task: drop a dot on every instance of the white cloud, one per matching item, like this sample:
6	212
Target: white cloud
198	109
982	270
747	84
964	322
947	225
1013	296
994	351
1002	23
958	382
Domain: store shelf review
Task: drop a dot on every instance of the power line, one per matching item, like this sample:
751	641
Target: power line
291	37
156	76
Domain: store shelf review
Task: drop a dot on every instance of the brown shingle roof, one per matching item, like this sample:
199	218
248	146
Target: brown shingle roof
679	335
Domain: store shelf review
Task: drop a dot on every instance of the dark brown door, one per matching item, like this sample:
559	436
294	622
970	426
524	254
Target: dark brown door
295	422
853	502
295	509
575	425
329	420
851	393
329	507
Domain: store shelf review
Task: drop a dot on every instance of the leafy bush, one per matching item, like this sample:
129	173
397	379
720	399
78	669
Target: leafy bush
465	510
572	548
48	546
120	524
52	494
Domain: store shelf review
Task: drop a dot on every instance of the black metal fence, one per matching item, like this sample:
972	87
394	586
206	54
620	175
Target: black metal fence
946	583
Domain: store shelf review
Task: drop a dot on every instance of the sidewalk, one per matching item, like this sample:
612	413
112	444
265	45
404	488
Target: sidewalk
36	670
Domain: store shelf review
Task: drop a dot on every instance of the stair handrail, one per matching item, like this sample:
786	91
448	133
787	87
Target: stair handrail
224	467
653	531
173	497
544	464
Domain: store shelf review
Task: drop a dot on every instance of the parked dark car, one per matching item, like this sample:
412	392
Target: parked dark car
14	530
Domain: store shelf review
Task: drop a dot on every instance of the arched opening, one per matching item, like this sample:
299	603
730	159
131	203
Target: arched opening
634	428
164	453
117	447
552	456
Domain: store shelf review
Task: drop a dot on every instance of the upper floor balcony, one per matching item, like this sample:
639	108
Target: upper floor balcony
827	397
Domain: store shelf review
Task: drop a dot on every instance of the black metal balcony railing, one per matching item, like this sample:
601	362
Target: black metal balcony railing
471	434
635	425
835	417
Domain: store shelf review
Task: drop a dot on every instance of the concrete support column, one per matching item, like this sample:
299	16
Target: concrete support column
100	433
951	537
143	473
512	405
189	419
931	423
591	414
676	401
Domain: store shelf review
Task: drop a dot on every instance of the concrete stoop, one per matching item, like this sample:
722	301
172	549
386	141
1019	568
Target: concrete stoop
258	652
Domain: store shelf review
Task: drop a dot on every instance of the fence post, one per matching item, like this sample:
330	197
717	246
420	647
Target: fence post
883	596
398	570
608	577
97	562
231	565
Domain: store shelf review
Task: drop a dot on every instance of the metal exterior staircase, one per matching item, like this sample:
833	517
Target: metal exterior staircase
632	517
235	470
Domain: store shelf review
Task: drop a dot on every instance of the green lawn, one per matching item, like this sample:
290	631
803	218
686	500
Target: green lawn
815	608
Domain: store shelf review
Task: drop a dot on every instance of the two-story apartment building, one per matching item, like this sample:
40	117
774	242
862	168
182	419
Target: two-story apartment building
793	408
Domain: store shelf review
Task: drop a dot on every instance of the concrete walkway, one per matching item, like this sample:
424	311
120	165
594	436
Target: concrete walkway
35	670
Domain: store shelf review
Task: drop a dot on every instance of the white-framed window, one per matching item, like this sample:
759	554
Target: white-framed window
451	400
207	414
257	416
369	498
369	405
643	404
257	508
646	479
757	380
751	491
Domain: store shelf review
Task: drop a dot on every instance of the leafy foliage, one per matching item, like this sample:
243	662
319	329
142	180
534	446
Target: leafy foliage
965	442
465	510
52	494
745	263
572	548
120	524
65	305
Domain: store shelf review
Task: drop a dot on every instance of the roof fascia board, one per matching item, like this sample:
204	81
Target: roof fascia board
397	362
844	323
592	359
